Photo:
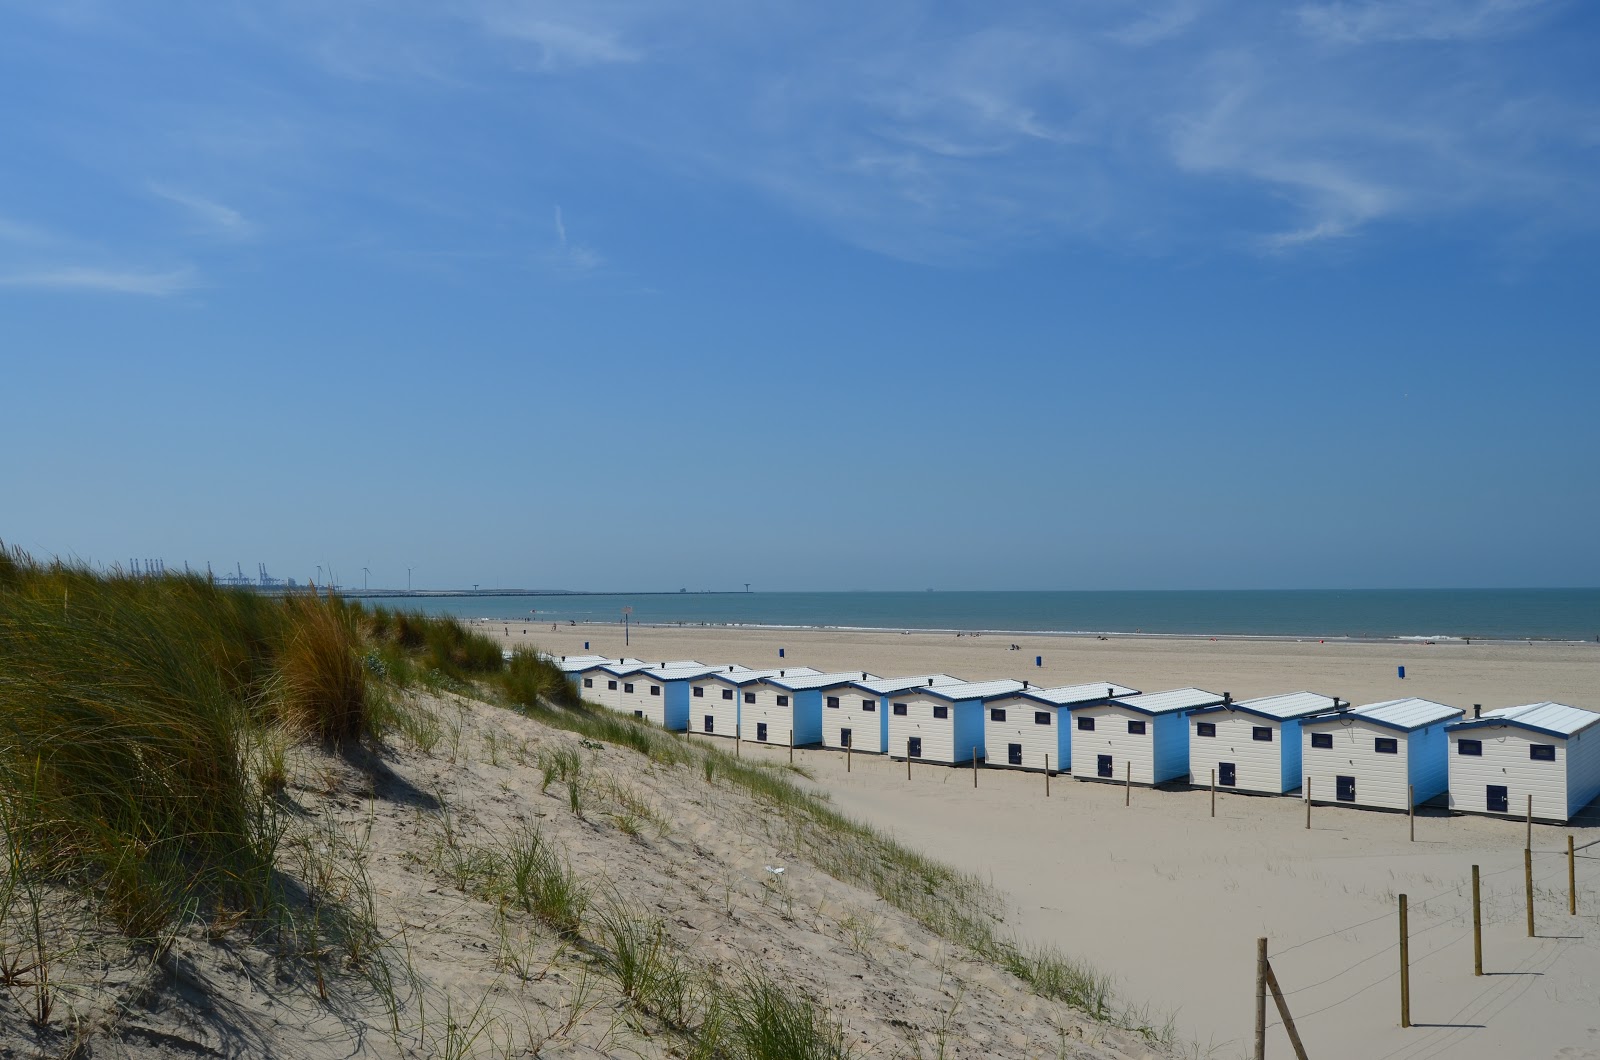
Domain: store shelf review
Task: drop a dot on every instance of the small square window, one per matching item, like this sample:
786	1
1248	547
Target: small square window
1135	728
1041	717
727	693
1470	748
612	685
1205	728
899	710
749	697
997	713
655	690
1385	745
1261	733
833	702
1086	725
588	682
783	701
638	713
627	688
699	692
1323	740
941	711
870	706
1542	752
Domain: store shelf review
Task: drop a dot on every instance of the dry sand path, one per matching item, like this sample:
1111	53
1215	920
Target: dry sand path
1171	901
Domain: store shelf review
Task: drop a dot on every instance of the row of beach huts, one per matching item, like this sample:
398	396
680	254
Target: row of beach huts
1391	755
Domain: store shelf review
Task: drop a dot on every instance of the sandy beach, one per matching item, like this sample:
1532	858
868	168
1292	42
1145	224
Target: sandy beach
1170	900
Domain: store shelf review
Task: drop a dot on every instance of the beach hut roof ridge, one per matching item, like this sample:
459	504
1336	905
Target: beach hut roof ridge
1552	719
1402	714
1285	707
889	686
960	690
801	682
1084	692
1174	699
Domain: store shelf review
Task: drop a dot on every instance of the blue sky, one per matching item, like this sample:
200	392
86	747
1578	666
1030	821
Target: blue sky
628	295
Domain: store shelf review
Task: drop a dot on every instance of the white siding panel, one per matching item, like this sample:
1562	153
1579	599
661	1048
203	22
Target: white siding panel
640	701
1258	766
938	734
765	711
1020	727
1505	762
1381	779
866	728
724	713
1111	737
1583	770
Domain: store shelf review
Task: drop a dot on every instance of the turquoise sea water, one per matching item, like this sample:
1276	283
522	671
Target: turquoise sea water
1546	614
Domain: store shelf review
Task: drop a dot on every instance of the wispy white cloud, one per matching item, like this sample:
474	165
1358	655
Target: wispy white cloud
570	256
208	215
1371	21
110	281
561	43
1161	22
21	232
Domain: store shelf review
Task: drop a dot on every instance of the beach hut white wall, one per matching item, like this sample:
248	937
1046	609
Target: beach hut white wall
716	702
943	723
850	716
1369	755
1144	739
789	706
1253	745
864	707
1547	750
1020	730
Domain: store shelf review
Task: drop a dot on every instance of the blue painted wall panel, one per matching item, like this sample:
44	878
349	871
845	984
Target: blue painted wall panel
1289	748
1170	749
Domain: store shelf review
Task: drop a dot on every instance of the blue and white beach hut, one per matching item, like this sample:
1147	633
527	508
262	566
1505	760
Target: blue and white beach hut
1549	752
789	706
629	688
716	701
598	682
856	715
1143	739
1387	756
943	723
574	666
1254	744
1032	729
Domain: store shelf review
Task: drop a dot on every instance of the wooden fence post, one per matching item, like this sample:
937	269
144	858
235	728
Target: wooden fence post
1283	1014
1411	810
1261	999
791	747
847	749
908	758
1477	925
1527	877
1213	793
1308	804
974	769
1127	782
1529	843
1405	968
738	738
1047	774
1572	878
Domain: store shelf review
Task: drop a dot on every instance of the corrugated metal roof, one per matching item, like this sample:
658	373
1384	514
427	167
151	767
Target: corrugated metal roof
1283	707
1087	692
572	664
888	686
743	675
970	690
1404	714
1557	719
684	672
1169	701
604	663
624	667
796	682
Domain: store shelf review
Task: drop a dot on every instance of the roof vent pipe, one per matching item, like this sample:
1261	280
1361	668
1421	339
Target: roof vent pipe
1477	710
1109	694
930	682
863	675
1024	684
1227	698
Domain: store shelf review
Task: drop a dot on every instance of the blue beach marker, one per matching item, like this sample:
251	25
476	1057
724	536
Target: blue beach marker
1402	673
1038	660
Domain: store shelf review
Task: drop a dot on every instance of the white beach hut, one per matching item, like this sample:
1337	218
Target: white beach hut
856	715
1032	729
788	707
1253	745
629	687
1388	756
943	723
597	683
716	701
666	695
1547	751
1143	739
574	666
